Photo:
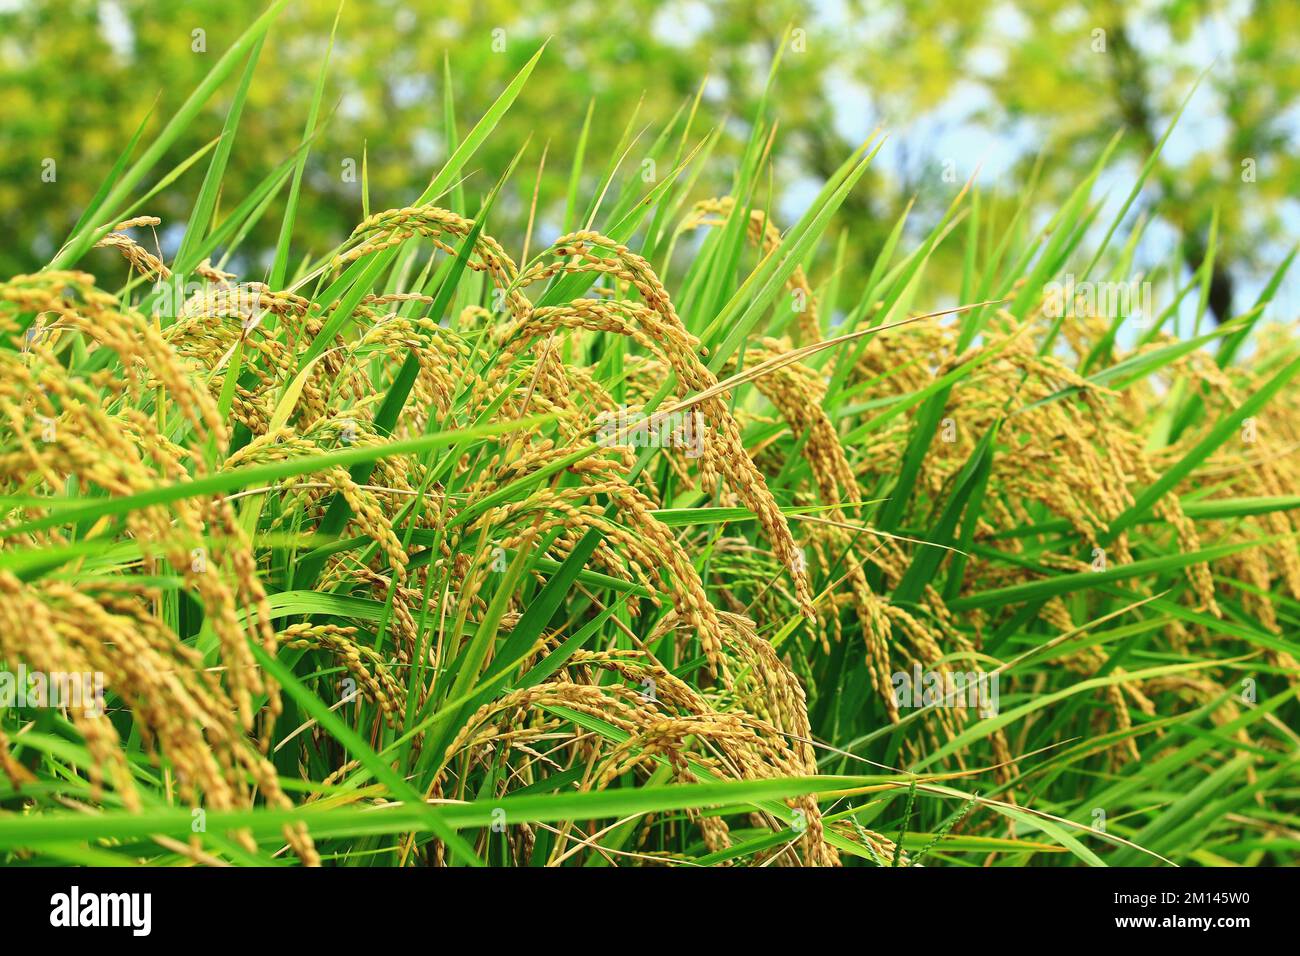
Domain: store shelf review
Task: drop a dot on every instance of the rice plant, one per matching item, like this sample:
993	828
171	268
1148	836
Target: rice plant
673	541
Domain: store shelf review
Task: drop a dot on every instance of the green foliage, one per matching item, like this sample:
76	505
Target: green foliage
954	82
574	653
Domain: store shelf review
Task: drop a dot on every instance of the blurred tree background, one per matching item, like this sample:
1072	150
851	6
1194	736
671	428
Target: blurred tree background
1002	88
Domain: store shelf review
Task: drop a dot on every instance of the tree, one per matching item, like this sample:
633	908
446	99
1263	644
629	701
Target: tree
1070	74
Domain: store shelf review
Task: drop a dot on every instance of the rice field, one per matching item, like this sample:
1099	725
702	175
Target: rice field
675	541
